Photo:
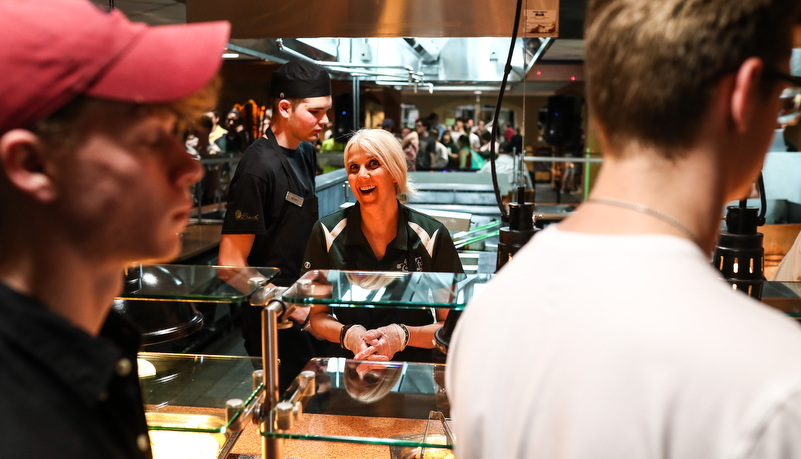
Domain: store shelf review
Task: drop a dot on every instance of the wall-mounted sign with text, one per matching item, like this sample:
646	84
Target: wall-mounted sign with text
541	18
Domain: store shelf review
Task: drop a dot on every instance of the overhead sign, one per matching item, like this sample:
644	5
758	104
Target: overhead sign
541	18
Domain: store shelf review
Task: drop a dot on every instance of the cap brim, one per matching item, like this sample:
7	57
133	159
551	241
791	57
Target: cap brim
165	63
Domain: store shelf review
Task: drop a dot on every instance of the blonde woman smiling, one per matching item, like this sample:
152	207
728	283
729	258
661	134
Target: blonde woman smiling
379	233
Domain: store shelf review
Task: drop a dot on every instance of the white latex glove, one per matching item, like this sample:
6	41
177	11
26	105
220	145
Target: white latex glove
387	340
354	339
369	354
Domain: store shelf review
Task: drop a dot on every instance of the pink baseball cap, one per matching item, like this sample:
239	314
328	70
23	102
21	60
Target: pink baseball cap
56	50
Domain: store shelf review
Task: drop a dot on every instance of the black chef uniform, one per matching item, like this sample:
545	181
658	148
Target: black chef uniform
272	196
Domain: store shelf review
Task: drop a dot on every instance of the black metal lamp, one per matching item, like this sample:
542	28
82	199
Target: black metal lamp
739	254
520	230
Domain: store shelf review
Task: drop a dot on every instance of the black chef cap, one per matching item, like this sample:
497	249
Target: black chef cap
300	80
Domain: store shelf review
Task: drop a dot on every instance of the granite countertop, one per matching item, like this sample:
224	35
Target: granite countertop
249	442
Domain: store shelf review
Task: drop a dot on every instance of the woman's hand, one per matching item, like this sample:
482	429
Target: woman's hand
354	339
387	341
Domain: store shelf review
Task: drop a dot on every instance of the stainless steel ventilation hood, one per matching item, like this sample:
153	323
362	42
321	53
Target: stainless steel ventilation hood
421	43
399	61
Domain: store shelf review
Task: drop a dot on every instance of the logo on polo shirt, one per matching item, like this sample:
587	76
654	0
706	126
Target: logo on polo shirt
242	216
404	267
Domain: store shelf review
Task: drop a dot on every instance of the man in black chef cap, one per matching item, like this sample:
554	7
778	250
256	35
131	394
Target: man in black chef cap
271	202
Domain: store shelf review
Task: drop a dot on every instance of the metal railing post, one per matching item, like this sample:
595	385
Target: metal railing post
271	448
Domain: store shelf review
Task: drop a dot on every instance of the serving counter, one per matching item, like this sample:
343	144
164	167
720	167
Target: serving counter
335	408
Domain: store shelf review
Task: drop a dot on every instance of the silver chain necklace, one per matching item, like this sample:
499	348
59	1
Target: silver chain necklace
643	209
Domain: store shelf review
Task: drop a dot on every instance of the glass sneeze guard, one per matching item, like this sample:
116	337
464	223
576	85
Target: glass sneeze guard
189	392
195	283
405	290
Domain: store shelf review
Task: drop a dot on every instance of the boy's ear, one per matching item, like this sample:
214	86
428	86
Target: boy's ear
744	94
284	108
23	162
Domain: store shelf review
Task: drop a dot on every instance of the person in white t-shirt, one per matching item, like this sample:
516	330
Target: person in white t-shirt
610	335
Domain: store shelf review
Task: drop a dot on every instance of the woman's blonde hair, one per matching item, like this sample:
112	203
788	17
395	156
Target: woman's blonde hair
384	146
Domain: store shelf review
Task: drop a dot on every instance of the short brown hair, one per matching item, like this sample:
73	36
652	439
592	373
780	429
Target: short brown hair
651	64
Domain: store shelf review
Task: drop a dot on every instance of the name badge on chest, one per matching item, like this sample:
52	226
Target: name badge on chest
294	199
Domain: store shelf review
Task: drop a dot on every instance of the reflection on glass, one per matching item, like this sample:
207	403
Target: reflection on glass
380	403
369	382
385	289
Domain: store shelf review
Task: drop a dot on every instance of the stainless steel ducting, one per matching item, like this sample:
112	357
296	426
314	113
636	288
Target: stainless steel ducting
444	42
